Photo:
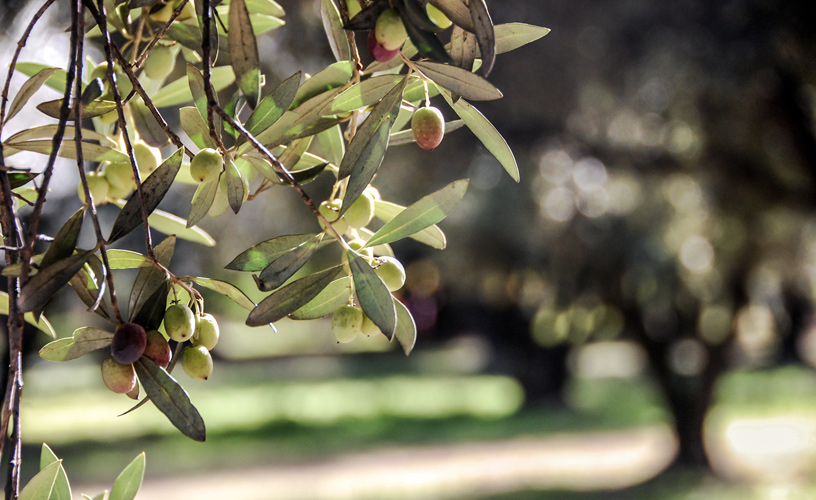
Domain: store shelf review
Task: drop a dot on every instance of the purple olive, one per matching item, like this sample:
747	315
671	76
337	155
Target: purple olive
128	344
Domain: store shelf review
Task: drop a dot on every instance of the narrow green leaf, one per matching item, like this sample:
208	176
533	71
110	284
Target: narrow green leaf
285	266
431	236
485	35
28	89
332	144
406	331
150	278
375	299
170	398
243	51
272	107
326	302
48	131
154	187
366	18
196	128
387	108
365	93
102	496
170	224
460	81
266	7
486	133
259	256
422	214
91	110
228	290
65	240
195	80
333	76
126	259
202	201
41	485
463	48
90	152
56	81
511	36
84	340
213	34
178	92
129	481
43	285
413	12
152	311
88	283
291	297
17	179
62	488
333	26
367	163
236	185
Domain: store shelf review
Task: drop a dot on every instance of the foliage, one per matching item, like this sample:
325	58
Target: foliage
113	121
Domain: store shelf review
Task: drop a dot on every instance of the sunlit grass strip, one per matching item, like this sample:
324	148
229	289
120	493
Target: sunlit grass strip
93	416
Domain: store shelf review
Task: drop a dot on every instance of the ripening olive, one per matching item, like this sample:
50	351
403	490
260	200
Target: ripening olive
331	211
147	158
98	186
377	51
346	323
206	165
392	273
428	127
157	349
360	213
206	332
179	322
197	362
368	327
389	30
128	343
160	62
118	377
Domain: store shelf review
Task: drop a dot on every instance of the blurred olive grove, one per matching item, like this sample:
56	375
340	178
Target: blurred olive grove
668	165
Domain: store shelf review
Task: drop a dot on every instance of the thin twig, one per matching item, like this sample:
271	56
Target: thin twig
159	35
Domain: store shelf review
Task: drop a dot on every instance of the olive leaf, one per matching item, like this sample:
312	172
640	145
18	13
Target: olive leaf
272	107
94	89
460	81
84	340
202	201
196	128
431	235
89	283
150	131
56	81
213	34
486	133
375	299
456	11
91	110
127	259
243	51
150	278
259	256
485	35
366	93
420	215
28	89
291	297
333	26
236	185
285	266
406	331
332	144
62	488
43	285
510	36
228	290
367	164
65	240
170	398
90	152
197	89
151	313
414	13
327	301
463	48
41	323
333	76
154	187
426	43
41	485
178	92
129	481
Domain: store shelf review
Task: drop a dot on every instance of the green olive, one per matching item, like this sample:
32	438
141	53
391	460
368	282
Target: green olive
389	30
179	322
346	323
197	362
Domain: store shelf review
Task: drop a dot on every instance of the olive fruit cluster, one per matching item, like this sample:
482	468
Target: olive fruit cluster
181	325
116	180
129	343
348	322
387	37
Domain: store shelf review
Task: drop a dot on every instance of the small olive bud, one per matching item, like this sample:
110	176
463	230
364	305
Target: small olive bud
179	322
118	377
128	343
197	362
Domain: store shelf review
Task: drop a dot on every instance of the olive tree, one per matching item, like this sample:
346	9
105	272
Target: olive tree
242	137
